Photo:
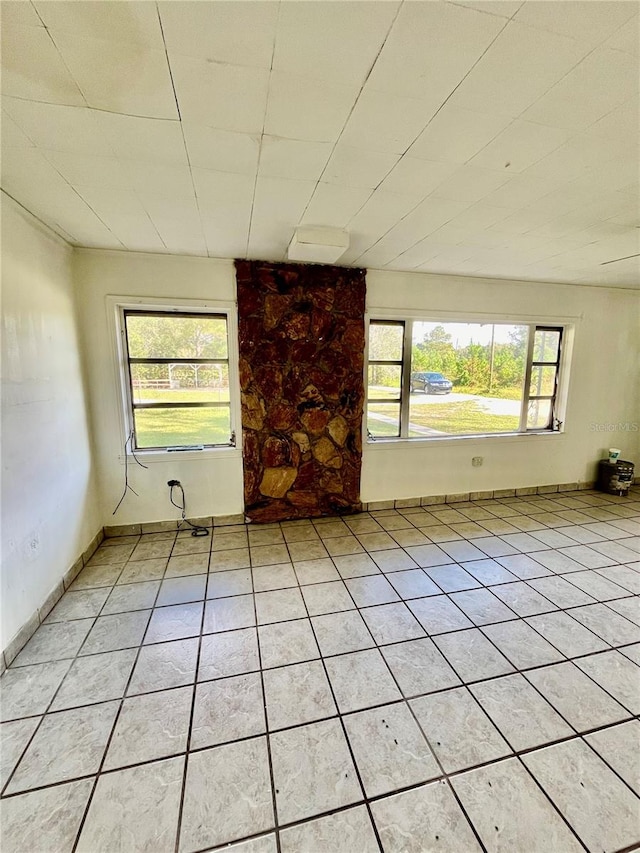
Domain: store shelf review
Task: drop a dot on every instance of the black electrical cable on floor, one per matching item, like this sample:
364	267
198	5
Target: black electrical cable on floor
127	487
196	529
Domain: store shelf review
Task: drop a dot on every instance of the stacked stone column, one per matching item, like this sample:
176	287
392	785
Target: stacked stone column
301	339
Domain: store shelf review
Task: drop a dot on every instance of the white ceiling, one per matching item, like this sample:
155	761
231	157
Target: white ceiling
471	137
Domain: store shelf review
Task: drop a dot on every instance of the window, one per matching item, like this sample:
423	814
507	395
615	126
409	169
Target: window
178	378
543	366
386	347
430	379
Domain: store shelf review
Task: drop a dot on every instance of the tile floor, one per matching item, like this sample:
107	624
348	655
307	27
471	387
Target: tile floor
459	678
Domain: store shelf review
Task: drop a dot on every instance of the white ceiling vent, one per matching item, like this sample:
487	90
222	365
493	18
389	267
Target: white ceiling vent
318	244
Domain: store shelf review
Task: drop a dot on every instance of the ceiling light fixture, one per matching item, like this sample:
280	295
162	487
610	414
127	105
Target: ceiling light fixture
318	244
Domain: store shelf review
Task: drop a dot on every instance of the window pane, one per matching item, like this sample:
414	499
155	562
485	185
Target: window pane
160	336
543	381
539	414
176	427
180	383
466	378
462	417
384	381
385	341
383	419
545	345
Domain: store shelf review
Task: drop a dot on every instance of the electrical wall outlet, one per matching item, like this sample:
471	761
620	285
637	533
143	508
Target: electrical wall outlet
477	461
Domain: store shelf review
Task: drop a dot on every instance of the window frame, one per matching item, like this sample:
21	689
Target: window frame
531	364
401	363
559	397
174	307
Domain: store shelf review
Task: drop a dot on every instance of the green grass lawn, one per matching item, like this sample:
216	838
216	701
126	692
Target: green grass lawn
182	395
461	418
175	427
380	428
378	392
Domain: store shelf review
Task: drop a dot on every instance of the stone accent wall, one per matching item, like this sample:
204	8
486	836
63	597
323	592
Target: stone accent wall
301	334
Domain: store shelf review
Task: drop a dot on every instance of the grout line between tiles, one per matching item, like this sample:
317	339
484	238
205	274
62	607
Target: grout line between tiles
552	804
580	734
191	715
400	701
274	804
428	742
342	725
121	701
52	700
361	609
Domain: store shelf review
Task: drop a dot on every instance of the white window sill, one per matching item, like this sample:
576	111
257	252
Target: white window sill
454	439
153	456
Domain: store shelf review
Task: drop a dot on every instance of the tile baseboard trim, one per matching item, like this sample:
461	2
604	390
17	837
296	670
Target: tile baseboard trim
461	497
172	526
24	634
400	503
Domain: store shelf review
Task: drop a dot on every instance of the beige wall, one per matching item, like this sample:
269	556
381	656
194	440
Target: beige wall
603	386
212	479
49	497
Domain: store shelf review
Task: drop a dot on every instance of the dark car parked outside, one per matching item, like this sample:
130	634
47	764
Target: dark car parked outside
431	383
